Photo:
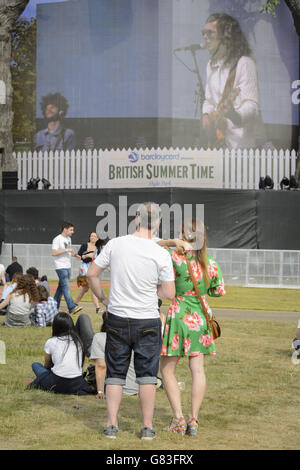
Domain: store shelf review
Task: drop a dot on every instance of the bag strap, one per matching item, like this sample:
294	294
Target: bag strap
208	320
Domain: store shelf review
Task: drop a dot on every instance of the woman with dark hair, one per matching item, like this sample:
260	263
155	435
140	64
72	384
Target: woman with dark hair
64	359
20	302
186	332
44	310
231	116
87	253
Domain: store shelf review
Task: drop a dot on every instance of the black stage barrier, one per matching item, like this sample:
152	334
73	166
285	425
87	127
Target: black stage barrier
278	220
234	218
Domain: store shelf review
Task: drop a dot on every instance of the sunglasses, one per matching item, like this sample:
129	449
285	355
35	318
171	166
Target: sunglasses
208	33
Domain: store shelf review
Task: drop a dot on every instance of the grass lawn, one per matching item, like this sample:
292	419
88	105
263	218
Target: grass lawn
252	398
238	297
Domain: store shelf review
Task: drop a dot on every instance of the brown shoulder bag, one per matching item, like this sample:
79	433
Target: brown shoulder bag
215	327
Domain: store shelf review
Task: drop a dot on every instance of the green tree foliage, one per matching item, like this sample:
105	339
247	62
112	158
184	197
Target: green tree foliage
270	6
23	70
293	5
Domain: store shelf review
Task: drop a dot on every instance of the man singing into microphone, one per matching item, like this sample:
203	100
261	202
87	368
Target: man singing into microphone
55	136
231	110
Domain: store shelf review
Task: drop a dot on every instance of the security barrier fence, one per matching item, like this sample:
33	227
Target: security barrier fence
240	267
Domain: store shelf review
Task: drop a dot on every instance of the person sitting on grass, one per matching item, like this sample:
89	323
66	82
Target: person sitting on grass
296	346
20	302
39	282
94	346
45	310
63	361
8	288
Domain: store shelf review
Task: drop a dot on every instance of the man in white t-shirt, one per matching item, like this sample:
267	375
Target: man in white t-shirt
137	266
62	253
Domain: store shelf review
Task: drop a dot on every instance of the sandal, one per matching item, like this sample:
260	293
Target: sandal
192	427
177	426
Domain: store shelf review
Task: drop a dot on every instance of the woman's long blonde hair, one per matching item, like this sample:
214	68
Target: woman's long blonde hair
189	229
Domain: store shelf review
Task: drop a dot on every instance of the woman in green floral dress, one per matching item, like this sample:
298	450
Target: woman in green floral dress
185	332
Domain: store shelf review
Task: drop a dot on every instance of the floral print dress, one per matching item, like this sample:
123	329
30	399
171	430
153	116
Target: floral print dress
185	331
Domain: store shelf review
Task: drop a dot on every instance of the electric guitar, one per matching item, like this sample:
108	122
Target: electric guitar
218	121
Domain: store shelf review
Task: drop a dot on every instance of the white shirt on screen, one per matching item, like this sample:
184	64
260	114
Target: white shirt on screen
246	103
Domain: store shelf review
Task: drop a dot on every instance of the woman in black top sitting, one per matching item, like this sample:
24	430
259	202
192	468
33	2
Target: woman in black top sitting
87	253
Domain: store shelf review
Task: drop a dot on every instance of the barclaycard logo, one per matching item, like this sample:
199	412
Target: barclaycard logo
133	157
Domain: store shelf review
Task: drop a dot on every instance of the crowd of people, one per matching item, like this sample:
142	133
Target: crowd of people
26	300
136	339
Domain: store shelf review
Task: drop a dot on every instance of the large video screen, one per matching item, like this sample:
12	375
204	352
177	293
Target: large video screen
155	73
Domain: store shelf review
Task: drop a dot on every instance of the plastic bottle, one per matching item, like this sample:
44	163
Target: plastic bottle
2	352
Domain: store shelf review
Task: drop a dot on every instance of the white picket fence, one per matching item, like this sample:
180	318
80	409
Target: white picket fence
241	169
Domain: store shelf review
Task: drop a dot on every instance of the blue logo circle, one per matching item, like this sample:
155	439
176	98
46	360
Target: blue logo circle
133	157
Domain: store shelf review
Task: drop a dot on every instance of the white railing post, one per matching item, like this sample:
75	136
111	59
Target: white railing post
72	163
281	165
24	170
226	168
49	157
232	169
56	169
287	163
263	163
78	172
67	169
239	169
29	165
275	169
61	169
44	159
251	183
89	169
94	170
245	169
83	169
293	162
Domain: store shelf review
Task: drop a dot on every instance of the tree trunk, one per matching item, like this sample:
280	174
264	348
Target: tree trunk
10	10
294	6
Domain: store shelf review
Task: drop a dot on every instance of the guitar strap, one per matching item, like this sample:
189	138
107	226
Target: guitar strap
59	138
228	85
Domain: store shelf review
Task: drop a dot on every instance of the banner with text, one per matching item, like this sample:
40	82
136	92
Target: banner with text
161	168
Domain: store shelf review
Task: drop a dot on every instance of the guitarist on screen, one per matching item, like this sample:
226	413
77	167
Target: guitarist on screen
231	110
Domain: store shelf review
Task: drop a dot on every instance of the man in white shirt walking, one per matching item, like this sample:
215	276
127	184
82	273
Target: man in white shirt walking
231	112
62	252
141	271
